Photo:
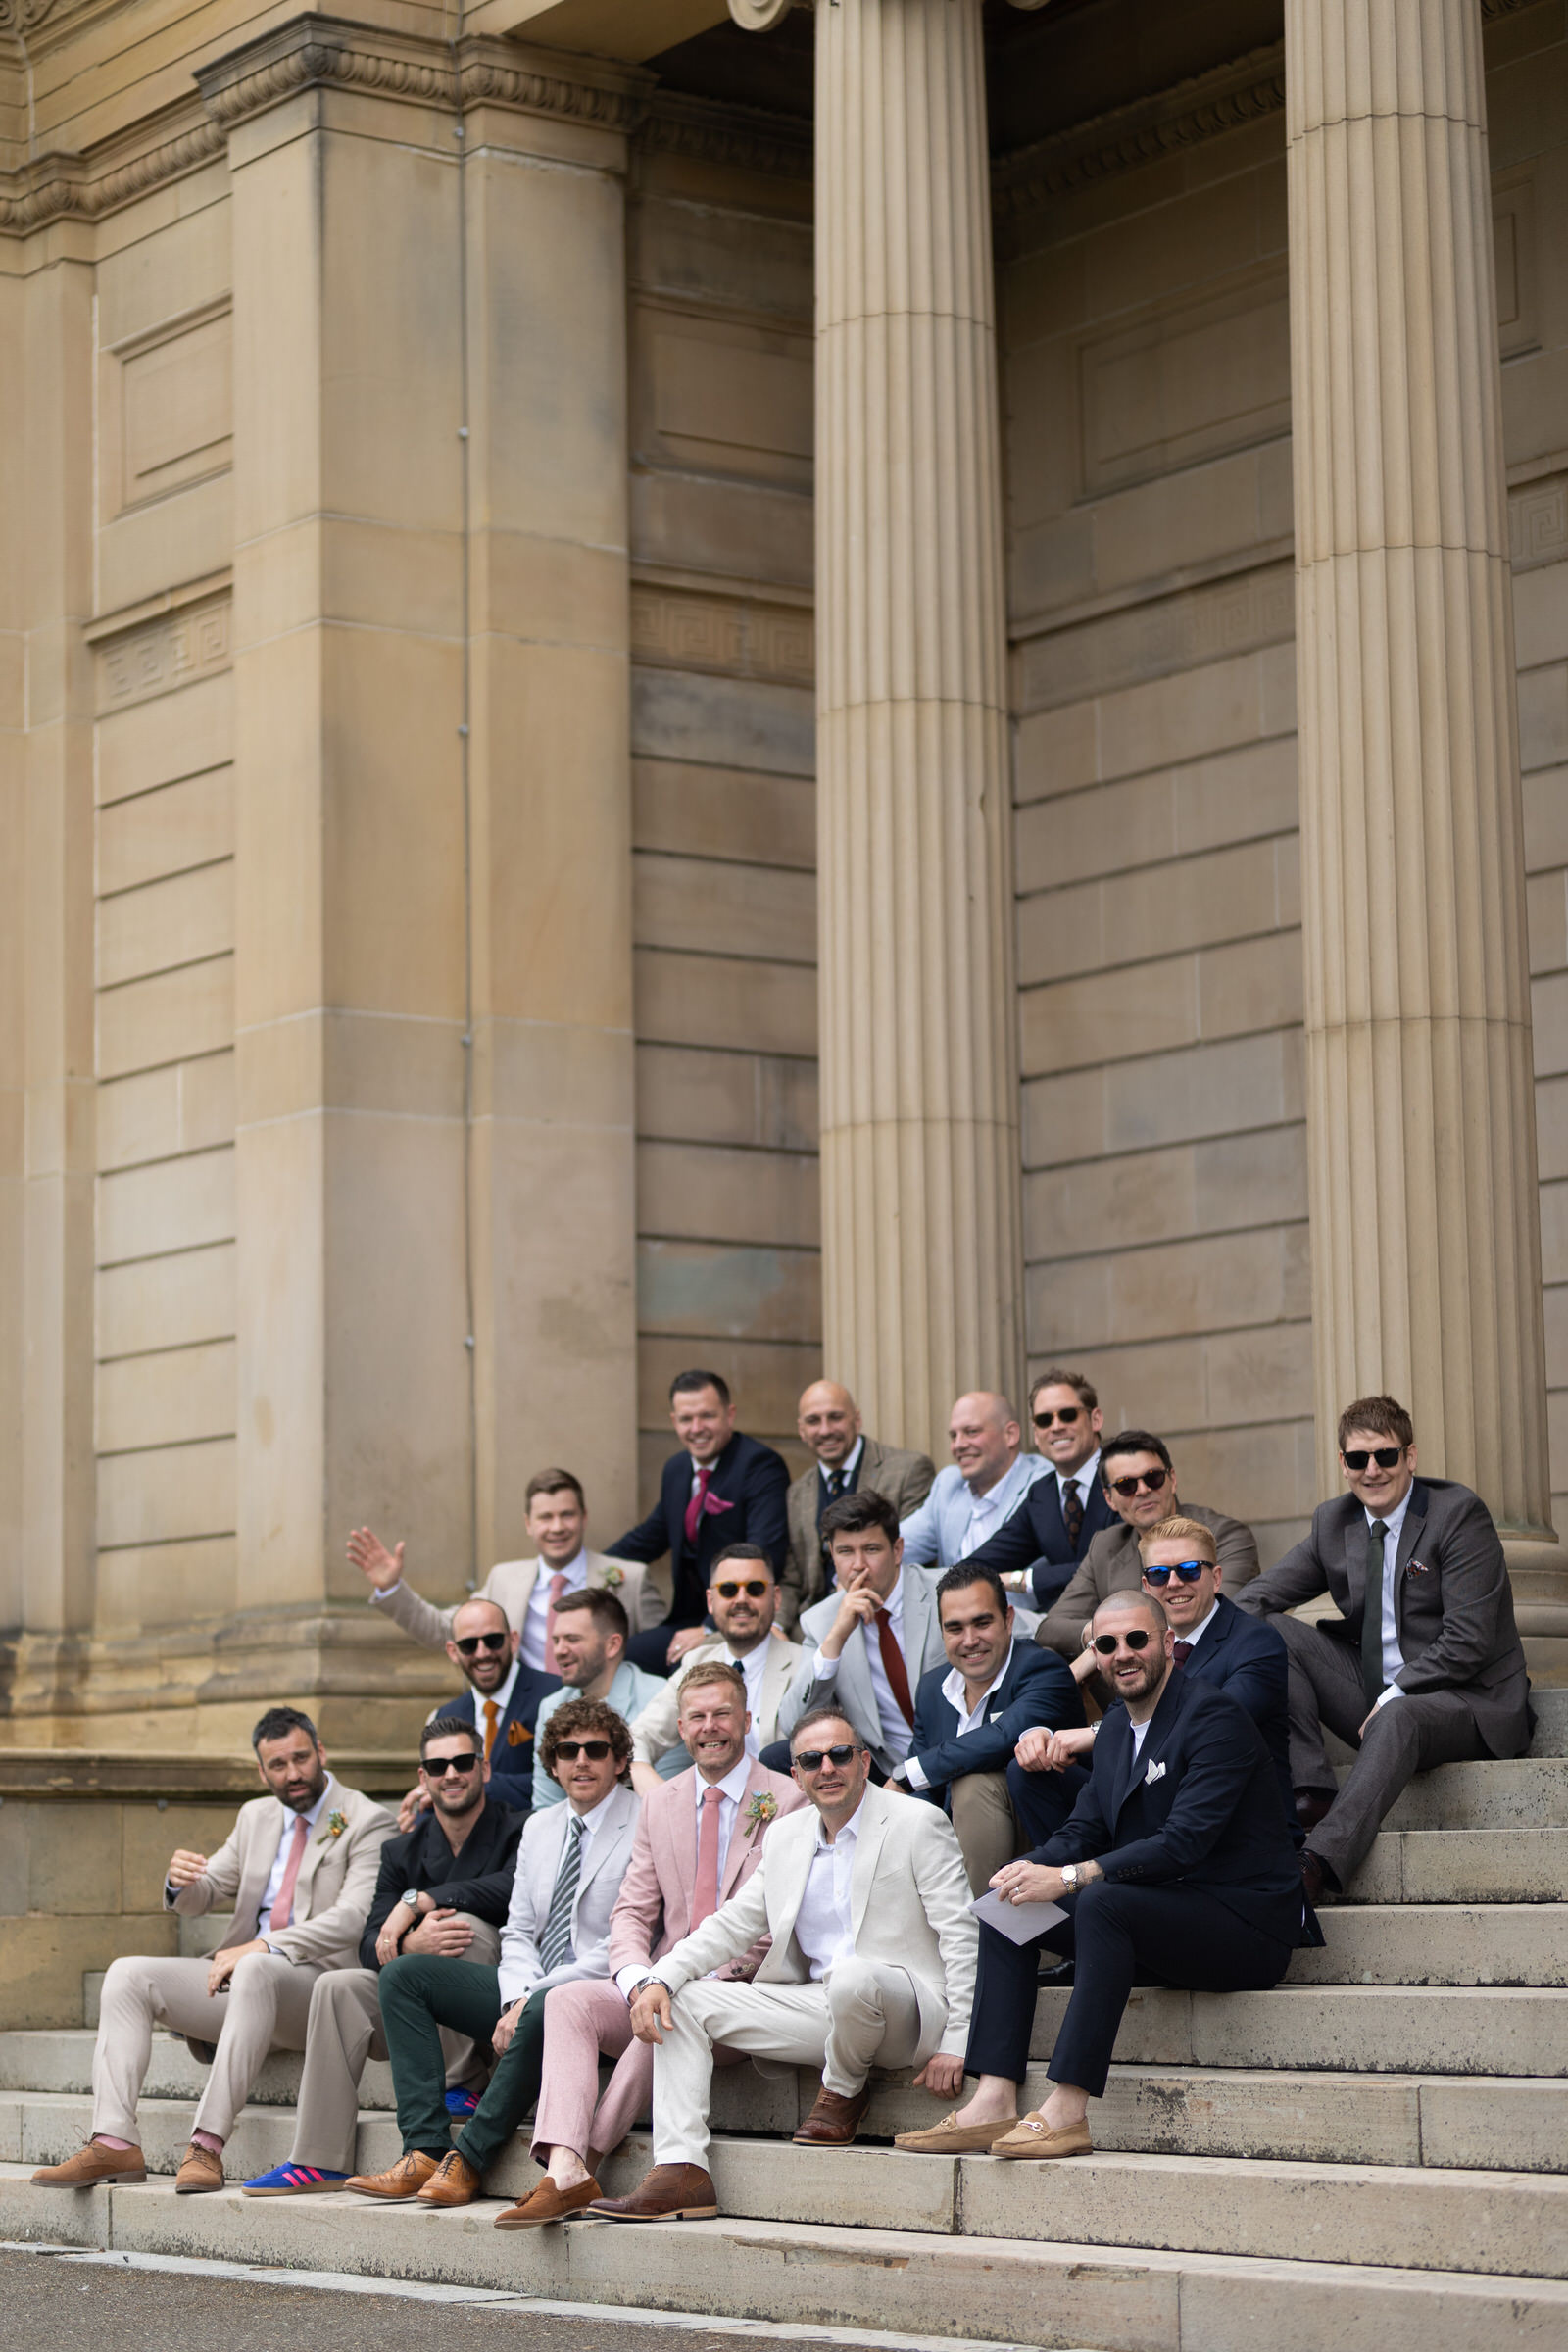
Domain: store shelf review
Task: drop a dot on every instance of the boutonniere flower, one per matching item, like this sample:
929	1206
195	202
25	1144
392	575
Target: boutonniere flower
336	1824
762	1809
613	1577
518	1735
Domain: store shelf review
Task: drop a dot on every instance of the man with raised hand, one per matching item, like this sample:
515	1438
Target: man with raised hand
743	1601
846	1461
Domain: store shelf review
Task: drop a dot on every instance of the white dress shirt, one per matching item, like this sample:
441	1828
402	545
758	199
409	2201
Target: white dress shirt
731	1788
941	1530
823	1925
535	1650
897	1735
499	1698
1196	1633
968	1719
845	1468
754	1666
1083	1481
1392	1654
285	1838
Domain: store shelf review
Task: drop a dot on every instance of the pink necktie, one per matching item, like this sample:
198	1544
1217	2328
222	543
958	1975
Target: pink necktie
694	1509
557	1586
282	1909
705	1902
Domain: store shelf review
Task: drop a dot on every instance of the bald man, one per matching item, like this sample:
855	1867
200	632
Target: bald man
847	1462
987	1479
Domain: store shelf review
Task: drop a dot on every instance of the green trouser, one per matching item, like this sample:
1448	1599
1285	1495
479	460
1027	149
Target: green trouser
420	1995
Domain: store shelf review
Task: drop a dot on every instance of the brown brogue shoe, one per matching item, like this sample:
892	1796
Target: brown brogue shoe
92	2164
401	2184
548	2203
453	2183
1031	2135
833	2121
671	2192
200	2173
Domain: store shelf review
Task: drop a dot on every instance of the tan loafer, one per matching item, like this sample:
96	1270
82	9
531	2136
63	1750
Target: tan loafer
401	2184
548	2203
91	2165
453	2183
671	2192
1031	2135
200	2173
949	2138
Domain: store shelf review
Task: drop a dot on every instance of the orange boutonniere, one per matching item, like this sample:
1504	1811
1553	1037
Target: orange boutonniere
336	1824
613	1577
762	1808
518	1735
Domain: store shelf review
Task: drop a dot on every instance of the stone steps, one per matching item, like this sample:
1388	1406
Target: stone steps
1528	1792
1436	2029
1463	1866
1439	1943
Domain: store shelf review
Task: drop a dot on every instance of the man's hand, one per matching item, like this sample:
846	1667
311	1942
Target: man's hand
504	2027
942	2076
687	1638
442	1935
370	1556
1045	1750
1029	1883
185	1868
652	2013
1084	1664
226	1963
857	1606
893	1786
396	1923
416	1801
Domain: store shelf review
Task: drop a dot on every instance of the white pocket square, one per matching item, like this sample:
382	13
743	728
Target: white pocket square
1156	1772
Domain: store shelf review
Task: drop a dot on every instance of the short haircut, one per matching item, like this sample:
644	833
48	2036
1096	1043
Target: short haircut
550	1482
1131	1441
601	1605
450	1727
855	1514
1191	1532
824	1714
752	1553
711	1670
279	1722
481	1600
1136	1599
691	1383
1380	1417
585	1719
1055	1378
966	1574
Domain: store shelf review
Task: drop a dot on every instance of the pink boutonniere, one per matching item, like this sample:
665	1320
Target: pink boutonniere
762	1809
613	1577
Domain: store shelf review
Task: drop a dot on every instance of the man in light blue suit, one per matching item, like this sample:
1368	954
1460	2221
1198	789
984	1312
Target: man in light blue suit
979	1492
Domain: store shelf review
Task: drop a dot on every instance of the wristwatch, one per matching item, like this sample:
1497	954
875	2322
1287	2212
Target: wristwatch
1069	1877
411	1896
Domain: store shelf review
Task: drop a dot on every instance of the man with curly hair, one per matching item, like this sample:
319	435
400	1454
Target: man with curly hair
571	1864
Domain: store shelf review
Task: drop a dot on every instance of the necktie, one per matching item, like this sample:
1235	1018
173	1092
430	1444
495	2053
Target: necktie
1181	1652
492	1716
835	1485
704	1900
554	1944
1072	1512
557	1586
694	1509
283	1908
1372	1614
893	1665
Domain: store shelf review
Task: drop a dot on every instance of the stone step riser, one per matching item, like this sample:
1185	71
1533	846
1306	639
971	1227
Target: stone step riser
1528	1792
1439	1943
1343	2029
1463	1866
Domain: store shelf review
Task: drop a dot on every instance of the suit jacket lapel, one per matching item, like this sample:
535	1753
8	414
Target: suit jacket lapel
1154	1739
1121	1771
873	1827
1355	1536
920	1610
600	1845
743	1837
1416	1519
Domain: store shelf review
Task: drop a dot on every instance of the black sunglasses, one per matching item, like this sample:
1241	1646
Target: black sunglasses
438	1766
1153	1480
1387	1458
1187	1570
1137	1636
568	1750
472	1642
756	1586
813	1759
1066	1415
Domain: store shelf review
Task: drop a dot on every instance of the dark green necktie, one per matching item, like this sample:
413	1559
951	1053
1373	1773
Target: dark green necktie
1372	1615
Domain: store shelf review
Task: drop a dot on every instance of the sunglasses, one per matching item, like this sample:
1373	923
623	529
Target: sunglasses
813	1759
438	1766
473	1643
568	1750
756	1586
1153	1480
1136	1638
1187	1570
1067	1414
1387	1458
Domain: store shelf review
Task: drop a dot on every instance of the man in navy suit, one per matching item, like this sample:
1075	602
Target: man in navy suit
1040	1545
1176	1868
721	1488
500	1700
968	1719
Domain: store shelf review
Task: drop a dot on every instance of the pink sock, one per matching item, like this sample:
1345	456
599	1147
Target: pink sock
103	2140
208	2140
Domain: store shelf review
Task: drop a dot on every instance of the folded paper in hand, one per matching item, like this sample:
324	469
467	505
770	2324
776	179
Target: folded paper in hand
1020	1923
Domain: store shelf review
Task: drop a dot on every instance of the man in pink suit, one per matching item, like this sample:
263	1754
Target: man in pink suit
698	1842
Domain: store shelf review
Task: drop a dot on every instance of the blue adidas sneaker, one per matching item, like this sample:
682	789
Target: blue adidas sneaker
293	2181
463	2102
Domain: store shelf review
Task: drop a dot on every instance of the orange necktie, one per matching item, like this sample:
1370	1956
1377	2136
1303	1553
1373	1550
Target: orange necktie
283	1908
704	1900
492	1716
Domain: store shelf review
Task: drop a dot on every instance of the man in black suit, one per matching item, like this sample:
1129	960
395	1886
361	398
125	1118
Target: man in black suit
1176	1868
968	1719
500	1701
1037	1548
722	1489
1423	1664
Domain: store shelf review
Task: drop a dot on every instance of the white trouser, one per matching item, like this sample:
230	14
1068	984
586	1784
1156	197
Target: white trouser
864	2014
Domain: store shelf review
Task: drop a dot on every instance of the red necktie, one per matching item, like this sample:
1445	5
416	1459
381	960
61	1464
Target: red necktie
282	1909
694	1509
704	1900
557	1586
893	1665
1181	1652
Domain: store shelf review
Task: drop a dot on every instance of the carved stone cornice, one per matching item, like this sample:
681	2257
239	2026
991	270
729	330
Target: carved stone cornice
21	16
62	187
747	137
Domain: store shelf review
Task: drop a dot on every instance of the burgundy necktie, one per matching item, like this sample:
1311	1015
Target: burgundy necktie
704	1900
893	1665
1181	1652
1072	1510
283	1908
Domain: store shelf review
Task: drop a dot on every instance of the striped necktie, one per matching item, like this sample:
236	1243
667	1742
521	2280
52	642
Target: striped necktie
554	1944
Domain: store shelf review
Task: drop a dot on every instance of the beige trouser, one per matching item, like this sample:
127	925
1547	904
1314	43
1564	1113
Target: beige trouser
987	1830
344	2032
864	2014
265	2006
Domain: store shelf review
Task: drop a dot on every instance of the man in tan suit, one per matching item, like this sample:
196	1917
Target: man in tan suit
828	1421
743	1603
300	1868
527	1589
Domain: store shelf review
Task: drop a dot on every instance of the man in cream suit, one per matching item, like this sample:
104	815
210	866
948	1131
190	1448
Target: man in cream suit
870	1962
300	1869
698	1842
743	1601
528	1589
571	1864
872	1639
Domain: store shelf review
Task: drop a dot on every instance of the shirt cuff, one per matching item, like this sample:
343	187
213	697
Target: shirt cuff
910	1770
629	1978
1392	1692
823	1669
382	1592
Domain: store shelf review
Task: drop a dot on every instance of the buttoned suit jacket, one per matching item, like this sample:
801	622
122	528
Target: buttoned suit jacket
604	1866
1036	1690
654	1909
1111	1565
1234	1657
332	1894
510	1780
909	1908
1453	1607
904	1479
753	1480
509	1585
655	1731
851	1688
1034	1541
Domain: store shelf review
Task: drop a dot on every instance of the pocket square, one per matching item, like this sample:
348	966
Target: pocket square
518	1735
1416	1568
1156	1772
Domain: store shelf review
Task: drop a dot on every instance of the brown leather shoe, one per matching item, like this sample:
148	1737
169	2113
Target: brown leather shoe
949	2138
453	2183
548	2203
1313	1805
1031	2135
402	2183
1318	1886
671	2192
92	2164
833	2121
199	2174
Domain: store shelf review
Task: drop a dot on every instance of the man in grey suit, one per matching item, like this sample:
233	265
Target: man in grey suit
869	1642
1423	1663
848	1462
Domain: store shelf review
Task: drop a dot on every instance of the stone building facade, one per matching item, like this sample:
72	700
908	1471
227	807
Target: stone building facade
798	689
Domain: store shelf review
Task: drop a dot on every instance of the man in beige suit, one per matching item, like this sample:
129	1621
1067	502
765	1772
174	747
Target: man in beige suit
527	1589
828	1422
300	1868
743	1603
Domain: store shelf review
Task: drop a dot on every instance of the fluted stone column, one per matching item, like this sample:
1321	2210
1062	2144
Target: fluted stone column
1425	1245
923	1260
